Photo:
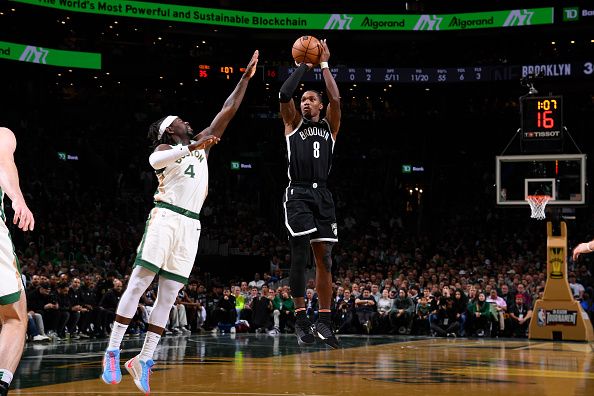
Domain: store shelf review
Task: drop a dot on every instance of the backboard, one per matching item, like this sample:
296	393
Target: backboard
561	176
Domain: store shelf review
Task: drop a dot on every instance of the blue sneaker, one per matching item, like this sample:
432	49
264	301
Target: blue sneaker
141	371
111	367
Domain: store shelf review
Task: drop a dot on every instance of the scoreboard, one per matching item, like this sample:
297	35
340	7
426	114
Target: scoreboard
394	75
541	123
542	116
409	75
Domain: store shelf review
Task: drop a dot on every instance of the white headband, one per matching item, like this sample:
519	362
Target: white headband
166	122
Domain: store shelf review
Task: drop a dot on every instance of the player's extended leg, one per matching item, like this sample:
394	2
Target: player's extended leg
140	279
140	365
12	339
299	258
323	327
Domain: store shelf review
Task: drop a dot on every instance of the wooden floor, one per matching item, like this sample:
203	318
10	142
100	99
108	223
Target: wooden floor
265	365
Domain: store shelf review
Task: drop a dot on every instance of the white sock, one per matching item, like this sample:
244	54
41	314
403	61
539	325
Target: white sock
117	335
5	376
150	344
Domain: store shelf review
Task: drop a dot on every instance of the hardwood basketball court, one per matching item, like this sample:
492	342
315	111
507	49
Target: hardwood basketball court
265	365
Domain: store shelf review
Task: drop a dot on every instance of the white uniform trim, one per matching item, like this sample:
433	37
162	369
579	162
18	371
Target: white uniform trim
323	240
289	148
293	233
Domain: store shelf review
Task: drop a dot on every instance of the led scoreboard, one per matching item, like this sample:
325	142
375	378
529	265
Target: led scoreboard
542	117
542	121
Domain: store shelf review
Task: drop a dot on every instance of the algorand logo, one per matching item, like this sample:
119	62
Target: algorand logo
518	18
34	54
428	22
339	22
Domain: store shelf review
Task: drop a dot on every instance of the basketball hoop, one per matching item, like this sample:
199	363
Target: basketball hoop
538	204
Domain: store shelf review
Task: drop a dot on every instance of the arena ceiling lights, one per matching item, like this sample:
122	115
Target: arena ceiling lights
259	20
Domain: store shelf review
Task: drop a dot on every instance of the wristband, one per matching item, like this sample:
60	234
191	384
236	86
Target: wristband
324	65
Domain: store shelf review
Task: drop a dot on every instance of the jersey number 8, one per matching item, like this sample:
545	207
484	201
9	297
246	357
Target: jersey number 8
316	149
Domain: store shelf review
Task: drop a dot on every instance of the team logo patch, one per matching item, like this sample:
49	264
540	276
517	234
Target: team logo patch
334	229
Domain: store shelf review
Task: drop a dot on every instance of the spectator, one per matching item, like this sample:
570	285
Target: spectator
276	311
65	306
108	305
257	282
311	305
423	310
178	319
520	317
401	316
498	309
365	309
446	323
261	311
375	293
345	314
384	306
224	313
239	302
480	316
577	289
461	307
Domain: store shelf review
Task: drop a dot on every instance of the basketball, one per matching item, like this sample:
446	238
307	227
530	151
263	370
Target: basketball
307	49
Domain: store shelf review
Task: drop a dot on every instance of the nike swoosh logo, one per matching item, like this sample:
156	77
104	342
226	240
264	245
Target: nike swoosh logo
321	336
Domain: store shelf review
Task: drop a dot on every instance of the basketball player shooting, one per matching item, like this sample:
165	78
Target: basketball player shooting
309	209
170	241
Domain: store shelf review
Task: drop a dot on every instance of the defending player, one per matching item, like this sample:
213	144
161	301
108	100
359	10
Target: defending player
170	242
13	303
309	209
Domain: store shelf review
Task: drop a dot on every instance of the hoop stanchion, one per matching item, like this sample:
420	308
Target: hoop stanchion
538	204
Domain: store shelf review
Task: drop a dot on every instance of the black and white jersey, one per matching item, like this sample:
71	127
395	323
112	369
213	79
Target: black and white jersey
309	149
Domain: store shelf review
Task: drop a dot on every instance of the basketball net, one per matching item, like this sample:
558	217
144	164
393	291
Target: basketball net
538	204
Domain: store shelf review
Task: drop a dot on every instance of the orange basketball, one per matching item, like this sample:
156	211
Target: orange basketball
307	49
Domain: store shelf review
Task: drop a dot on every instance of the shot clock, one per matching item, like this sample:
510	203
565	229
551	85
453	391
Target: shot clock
542	120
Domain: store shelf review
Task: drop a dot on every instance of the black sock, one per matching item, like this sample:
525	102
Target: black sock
325	317
300	316
3	388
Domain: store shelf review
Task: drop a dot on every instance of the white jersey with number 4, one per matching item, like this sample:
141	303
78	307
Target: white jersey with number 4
185	182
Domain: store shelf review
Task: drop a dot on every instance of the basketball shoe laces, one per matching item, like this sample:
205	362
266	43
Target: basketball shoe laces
112	367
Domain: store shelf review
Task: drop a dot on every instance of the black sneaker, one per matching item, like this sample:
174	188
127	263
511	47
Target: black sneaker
303	331
3	389
324	332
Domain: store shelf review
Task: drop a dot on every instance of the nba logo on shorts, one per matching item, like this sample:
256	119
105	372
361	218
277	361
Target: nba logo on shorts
541	317
334	229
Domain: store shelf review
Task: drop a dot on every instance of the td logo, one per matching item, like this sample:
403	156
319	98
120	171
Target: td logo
571	14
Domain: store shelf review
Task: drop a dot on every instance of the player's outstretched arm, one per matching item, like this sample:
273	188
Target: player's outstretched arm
289	113
165	155
333	111
581	249
9	181
221	120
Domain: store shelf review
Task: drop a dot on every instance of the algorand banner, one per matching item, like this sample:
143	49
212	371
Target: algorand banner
246	19
49	56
